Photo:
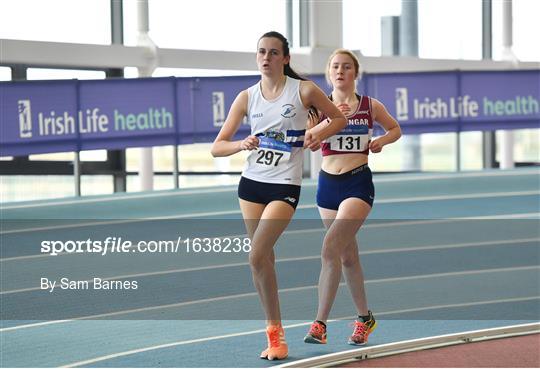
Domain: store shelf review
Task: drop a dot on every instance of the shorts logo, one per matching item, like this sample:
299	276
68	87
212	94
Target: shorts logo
288	111
290	199
357	170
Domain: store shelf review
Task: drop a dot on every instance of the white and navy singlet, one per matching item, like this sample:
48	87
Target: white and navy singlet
280	125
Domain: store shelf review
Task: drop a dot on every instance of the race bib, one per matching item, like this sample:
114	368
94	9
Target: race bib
272	152
351	139
349	143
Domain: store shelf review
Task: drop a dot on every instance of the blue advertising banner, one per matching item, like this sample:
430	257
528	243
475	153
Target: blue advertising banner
37	117
127	112
203	114
55	116
460	101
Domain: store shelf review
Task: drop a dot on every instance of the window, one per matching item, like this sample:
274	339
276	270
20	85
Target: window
450	29
85	21
5	74
362	23
233	25
43	73
131	72
525	26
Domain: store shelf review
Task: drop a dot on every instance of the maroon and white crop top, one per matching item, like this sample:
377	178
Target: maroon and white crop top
356	135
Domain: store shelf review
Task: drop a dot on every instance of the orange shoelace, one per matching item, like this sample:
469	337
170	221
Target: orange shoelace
317	329
359	328
274	337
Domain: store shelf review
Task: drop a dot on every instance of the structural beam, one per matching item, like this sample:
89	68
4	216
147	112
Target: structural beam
88	56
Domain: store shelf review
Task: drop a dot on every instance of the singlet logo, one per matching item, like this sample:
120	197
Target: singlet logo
288	111
257	115
276	135
358	122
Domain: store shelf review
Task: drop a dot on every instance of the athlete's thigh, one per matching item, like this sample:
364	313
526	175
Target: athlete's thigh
251	212
274	219
349	218
353	208
327	216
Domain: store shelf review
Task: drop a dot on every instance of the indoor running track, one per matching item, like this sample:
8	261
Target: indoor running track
442	253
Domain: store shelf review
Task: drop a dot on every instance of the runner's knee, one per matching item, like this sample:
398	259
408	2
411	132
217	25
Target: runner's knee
349	259
258	261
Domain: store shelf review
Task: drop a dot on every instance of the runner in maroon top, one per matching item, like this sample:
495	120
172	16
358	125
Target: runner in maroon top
345	193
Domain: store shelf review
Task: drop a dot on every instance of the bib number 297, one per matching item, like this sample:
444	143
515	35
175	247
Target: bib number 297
268	157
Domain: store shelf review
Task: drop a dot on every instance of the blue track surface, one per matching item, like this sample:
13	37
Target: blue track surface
429	271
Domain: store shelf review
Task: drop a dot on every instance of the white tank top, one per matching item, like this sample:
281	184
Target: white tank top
280	125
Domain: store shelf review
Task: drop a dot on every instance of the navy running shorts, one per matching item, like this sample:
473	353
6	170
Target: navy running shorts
264	193
335	188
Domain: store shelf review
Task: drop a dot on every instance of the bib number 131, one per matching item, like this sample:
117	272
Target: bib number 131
349	143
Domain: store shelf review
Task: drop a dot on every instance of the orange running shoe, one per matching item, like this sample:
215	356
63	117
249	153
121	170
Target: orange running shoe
362	330
316	334
277	347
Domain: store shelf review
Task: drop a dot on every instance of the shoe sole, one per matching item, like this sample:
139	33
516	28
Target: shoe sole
278	358
310	339
274	358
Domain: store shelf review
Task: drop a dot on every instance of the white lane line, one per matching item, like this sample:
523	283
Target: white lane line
451	274
123	197
513	242
301	231
463	304
531	216
120	221
240	334
458	197
285	290
237	211
455	175
232	188
383	224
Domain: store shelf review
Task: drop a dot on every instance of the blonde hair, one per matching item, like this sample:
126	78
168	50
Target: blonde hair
357	67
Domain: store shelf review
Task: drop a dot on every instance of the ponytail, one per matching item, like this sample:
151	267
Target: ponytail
288	71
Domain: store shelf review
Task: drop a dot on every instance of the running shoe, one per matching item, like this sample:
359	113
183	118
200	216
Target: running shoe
362	329
277	347
316	334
